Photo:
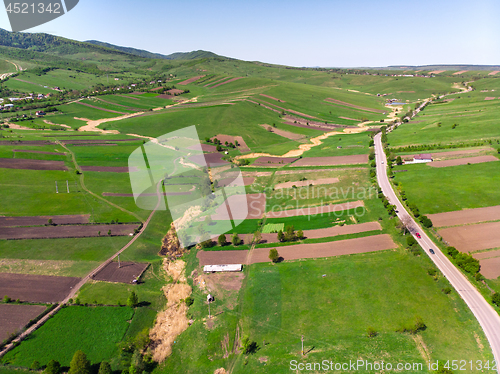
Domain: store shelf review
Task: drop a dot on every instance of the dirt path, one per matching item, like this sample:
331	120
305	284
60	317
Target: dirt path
302	147
56	124
92	125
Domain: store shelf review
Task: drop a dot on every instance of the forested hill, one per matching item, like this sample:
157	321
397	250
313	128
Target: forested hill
143	53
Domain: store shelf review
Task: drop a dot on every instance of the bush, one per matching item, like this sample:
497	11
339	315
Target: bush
479	277
417	326
467	263
426	221
189	301
222	240
54	367
432	272
300	234
371	332
132	300
452	251
6	299
235	239
207	243
79	364
411	241
447	290
495	299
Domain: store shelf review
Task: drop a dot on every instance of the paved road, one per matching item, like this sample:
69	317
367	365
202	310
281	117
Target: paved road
487	316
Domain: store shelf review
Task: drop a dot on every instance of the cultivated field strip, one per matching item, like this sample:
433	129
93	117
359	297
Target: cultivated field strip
467	216
66	231
36	288
43	220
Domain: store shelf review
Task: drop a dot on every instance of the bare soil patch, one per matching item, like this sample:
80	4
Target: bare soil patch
190	80
437	71
257	173
343	103
126	273
494	72
36	288
338	248
460	72
489	254
43	220
205	148
490	268
273	98
99	108
165	96
175	91
462	161
222	257
489	98
467	216
213	82
40	152
334	160
26	142
273	161
95	141
14	317
225	82
243	147
284	133
210	159
256	206
473	237
109	169
286	172
66	231
315	210
305	183
25	164
224	281
247	181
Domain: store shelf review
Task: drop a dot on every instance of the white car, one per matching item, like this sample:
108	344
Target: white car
382	162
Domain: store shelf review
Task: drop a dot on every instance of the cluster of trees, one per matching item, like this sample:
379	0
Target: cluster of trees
218	143
464	261
235	240
290	235
391	209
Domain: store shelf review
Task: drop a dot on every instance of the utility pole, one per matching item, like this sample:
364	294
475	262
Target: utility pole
302	340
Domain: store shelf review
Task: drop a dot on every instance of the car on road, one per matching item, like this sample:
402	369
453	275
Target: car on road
431	250
418	235
382	162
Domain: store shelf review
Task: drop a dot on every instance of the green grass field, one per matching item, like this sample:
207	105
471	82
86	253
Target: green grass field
437	190
94	330
473	116
273	227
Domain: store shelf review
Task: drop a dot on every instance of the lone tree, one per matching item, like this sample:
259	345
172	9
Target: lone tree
222	240
54	367
235	239
132	300
79	364
399	160
274	255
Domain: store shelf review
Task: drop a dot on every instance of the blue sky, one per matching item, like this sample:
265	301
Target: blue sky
298	33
